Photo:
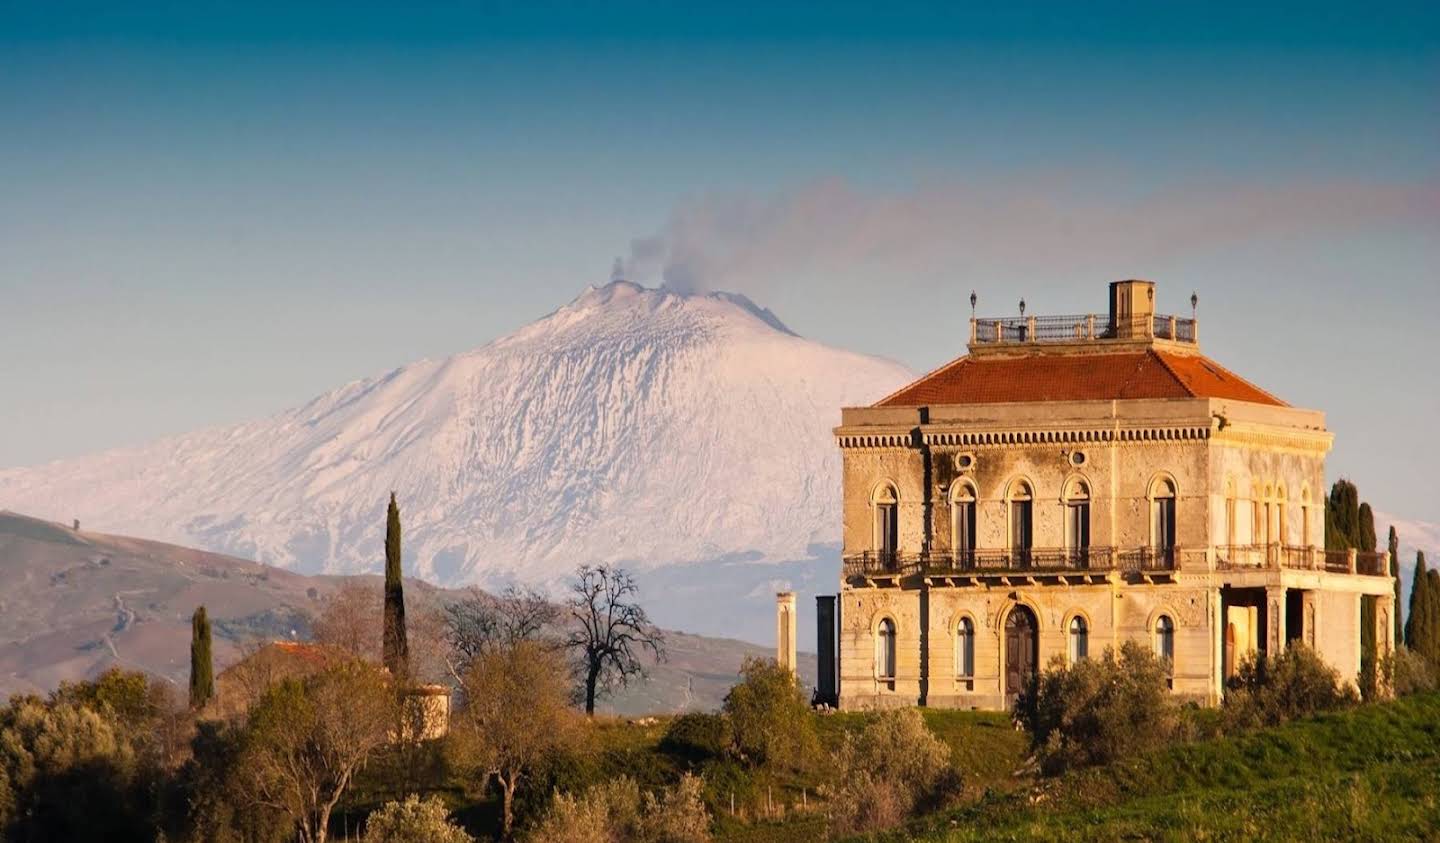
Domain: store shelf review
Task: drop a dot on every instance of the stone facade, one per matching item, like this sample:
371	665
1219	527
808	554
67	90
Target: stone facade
1141	492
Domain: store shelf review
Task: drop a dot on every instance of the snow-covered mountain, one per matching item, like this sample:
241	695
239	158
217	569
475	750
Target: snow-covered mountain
633	425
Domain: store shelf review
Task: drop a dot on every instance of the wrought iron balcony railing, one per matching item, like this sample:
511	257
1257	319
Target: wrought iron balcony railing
1032	560
1129	560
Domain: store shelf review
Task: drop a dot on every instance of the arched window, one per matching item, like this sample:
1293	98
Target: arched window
1162	516
1230	513
885	650
1021	500
1077	518
1281	501
1079	640
1165	639
962	522
965	649
887	521
1305	517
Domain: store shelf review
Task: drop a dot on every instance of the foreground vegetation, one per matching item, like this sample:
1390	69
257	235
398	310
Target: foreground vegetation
1366	773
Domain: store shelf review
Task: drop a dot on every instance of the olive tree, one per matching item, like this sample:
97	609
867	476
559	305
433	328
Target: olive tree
307	737
515	717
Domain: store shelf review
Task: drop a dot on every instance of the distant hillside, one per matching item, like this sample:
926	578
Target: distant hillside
77	602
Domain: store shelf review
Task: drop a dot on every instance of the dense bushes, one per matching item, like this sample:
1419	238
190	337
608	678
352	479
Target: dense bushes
1098	710
697	736
414	821
1269	691
88	763
889	769
769	716
1408	673
617	812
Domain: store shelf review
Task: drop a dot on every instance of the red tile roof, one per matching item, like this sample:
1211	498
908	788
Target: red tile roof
1078	377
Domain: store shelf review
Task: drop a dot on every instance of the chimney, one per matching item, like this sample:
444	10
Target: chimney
785	630
1132	308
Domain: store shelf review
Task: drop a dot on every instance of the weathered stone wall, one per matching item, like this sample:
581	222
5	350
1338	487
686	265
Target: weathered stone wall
927	624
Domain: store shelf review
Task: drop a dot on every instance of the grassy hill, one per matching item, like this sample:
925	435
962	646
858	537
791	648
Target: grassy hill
77	602
1369	773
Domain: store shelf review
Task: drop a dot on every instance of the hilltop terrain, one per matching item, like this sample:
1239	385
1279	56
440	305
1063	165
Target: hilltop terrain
78	602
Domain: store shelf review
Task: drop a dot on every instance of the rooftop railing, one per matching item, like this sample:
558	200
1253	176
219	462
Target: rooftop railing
1082	328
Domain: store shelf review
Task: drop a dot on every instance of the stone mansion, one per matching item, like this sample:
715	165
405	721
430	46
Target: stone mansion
1072	483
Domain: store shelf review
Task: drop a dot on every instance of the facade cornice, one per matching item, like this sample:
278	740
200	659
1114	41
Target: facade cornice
1019	437
1289	441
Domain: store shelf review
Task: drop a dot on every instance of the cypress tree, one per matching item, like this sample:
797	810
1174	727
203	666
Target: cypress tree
202	667
1342	518
1416	618
1366	539
1394	547
1431	641
396	650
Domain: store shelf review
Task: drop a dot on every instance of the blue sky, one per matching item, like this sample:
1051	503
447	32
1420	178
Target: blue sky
210	212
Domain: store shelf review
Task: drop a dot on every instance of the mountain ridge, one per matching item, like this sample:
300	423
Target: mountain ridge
632	425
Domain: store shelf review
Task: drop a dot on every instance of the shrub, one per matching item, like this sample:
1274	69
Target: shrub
1099	710
769	716
616	812
894	765
1297	683
1408	672
697	736
413	821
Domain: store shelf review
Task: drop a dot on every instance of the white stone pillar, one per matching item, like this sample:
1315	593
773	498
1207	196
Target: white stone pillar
785	630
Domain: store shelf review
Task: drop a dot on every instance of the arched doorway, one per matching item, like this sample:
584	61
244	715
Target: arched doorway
1021	650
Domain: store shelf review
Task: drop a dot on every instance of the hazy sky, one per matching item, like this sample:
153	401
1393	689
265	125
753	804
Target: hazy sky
211	212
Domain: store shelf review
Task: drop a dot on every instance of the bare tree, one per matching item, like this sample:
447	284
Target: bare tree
516	715
609	630
479	623
351	620
306	738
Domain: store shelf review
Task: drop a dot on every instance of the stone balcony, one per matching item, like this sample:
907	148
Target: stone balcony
1141	562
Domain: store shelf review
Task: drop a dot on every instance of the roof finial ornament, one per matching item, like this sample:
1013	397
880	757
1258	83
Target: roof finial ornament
1022	307
972	304
1194	304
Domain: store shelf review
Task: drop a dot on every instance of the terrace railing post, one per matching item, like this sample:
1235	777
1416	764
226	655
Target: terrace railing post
1350	559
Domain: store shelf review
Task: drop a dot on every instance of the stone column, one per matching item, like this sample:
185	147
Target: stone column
1275	620
785	629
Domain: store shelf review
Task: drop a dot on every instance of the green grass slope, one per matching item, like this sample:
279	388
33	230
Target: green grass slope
1370	773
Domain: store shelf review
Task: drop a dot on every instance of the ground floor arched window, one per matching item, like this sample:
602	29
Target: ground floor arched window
965	649
885	650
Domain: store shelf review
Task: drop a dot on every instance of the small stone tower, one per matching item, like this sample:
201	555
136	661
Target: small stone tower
785	629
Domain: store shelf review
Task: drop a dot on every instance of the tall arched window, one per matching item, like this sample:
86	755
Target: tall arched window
1165	639
1230	513
1021	526
885	650
1162	517
1305	517
1281	521
1077	518
1079	648
965	649
962	522
887	521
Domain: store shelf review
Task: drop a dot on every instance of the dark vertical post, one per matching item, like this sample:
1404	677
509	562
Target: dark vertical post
826	683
